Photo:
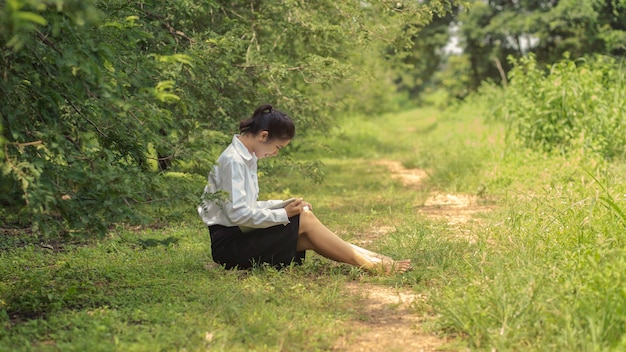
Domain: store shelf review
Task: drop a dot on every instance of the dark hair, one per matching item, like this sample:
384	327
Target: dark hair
275	122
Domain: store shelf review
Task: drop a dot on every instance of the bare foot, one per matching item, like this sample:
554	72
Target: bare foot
400	266
388	267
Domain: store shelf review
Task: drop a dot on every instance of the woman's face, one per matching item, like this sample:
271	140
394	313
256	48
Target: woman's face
266	148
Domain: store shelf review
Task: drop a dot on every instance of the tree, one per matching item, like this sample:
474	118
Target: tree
99	96
495	29
581	28
427	53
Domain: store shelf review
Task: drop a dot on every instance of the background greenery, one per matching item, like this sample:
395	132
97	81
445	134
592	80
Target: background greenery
113	111
99	96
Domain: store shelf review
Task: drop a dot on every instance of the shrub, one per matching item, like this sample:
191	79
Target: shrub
577	105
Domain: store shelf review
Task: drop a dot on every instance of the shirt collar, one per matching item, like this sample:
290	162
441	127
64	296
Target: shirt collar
242	150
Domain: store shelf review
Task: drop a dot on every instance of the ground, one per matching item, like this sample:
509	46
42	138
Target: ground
386	321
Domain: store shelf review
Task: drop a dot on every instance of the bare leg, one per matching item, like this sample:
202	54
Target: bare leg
369	253
315	236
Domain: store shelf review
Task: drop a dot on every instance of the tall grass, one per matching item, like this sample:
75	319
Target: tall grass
548	269
550	275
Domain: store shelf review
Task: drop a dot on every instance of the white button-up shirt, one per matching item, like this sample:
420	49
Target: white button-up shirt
235	174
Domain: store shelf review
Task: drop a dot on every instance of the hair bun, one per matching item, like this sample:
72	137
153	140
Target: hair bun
265	118
263	109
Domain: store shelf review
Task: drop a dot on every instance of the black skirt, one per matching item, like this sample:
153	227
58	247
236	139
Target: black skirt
274	245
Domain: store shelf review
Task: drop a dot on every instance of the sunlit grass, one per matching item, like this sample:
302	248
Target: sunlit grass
545	270
149	291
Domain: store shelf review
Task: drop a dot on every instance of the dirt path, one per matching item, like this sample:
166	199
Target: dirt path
387	321
455	209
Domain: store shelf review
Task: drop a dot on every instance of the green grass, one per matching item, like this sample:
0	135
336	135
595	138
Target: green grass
146	291
545	271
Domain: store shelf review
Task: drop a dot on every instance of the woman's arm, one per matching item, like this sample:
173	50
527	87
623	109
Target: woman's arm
241	208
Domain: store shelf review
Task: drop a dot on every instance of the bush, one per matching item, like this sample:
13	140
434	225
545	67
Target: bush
99	96
575	106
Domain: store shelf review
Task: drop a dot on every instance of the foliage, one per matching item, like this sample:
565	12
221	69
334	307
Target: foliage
490	31
99	96
576	106
426	54
452	80
582	27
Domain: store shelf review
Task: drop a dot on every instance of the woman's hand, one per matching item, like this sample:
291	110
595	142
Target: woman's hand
297	207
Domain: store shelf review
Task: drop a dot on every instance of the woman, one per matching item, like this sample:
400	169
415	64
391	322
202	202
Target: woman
246	232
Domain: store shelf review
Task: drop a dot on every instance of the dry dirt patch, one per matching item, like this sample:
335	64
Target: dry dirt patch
386	322
455	209
411	178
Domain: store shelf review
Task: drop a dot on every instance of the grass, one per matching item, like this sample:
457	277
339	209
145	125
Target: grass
545	271
143	291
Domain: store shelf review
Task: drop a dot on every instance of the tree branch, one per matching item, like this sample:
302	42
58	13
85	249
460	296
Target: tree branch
83	116
26	144
167	26
501	70
44	39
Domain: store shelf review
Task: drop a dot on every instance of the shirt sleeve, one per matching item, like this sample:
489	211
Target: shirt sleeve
268	203
241	208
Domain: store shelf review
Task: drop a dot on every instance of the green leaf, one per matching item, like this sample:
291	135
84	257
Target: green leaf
30	16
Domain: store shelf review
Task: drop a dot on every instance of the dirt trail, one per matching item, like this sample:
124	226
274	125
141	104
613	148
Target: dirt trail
455	209
387	322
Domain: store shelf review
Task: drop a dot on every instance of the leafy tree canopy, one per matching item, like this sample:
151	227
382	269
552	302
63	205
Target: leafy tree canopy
490	31
98	96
